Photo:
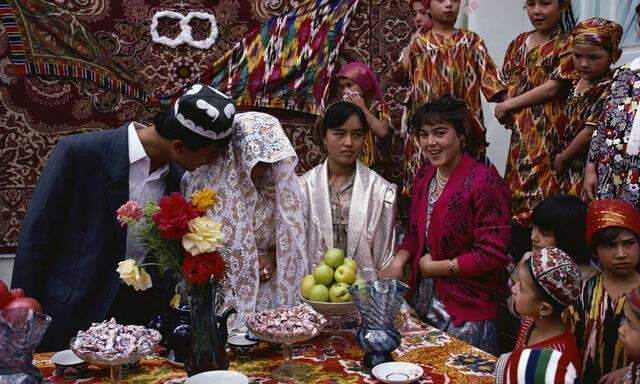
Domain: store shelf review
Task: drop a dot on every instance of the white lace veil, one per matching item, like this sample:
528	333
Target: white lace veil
258	137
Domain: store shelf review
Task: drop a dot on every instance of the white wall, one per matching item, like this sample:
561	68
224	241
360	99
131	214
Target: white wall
6	266
498	22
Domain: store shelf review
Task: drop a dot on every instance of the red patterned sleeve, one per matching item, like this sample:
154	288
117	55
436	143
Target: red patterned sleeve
564	70
491	83
492	229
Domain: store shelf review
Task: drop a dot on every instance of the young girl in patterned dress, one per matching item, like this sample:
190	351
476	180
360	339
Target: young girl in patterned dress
595	48
441	61
360	86
530	61
613	227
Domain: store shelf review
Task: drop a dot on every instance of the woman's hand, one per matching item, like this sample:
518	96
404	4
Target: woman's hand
590	183
354	98
267	265
395	270
614	377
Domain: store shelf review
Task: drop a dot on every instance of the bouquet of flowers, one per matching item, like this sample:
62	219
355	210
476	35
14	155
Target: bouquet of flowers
177	237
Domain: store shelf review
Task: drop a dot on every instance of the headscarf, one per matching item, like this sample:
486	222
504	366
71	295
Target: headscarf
258	137
611	213
364	77
556	274
601	32
426	4
535	366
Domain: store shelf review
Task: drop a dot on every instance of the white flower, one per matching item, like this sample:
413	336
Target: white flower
204	236
133	276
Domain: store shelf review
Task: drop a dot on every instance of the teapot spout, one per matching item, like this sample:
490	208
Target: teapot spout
222	326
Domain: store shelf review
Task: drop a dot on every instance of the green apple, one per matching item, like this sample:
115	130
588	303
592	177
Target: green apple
306	284
319	292
349	262
323	274
344	274
339	293
334	257
360	283
321	263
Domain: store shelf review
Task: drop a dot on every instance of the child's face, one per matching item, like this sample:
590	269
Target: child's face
525	293
420	15
346	86
591	61
440	142
629	333
542	238
545	15
620	257
444	11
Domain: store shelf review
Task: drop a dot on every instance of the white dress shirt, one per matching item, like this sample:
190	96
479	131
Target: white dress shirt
142	185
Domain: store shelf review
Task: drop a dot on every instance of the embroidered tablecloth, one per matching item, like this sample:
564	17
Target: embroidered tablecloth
443	358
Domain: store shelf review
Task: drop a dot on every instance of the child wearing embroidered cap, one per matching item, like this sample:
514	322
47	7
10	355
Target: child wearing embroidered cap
548	282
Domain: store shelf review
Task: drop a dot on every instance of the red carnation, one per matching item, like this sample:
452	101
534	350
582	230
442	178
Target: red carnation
173	216
198	269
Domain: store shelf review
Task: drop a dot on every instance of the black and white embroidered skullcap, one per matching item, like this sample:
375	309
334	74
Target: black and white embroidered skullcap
205	111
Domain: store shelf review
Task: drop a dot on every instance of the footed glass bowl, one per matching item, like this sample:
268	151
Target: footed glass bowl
289	370
114	364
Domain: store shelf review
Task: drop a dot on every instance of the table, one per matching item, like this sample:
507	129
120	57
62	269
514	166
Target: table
443	358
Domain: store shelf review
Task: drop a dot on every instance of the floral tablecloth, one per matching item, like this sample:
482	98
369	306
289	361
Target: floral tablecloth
443	358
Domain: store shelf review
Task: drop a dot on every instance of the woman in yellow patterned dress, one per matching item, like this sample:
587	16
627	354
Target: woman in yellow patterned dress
445	60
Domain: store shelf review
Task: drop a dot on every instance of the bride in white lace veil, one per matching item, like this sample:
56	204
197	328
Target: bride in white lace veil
260	216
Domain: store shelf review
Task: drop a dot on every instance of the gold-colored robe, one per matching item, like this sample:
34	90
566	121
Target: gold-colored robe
372	218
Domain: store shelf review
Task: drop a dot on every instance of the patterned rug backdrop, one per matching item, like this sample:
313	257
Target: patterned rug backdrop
37	110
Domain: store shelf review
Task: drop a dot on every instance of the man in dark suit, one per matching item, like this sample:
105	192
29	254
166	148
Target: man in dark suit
71	242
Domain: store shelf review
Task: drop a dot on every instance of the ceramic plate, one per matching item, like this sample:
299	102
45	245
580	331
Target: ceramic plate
210	377
66	357
397	372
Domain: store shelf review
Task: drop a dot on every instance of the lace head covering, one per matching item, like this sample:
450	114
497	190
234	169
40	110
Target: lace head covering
257	137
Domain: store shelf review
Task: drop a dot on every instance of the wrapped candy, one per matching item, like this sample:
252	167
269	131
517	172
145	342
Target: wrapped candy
111	341
300	320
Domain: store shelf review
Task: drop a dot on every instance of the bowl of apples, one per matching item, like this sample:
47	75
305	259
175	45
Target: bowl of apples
327	288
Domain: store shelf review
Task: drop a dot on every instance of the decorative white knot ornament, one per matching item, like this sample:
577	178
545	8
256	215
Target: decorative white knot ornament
185	29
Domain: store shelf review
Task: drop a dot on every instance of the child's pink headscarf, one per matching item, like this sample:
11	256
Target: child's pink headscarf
426	4
362	75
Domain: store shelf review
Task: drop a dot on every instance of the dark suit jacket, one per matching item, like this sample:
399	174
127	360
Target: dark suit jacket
70	242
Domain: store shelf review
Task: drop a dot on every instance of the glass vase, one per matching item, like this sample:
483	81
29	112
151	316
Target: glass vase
378	303
206	350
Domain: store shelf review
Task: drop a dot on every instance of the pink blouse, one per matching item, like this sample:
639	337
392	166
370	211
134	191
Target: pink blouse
470	223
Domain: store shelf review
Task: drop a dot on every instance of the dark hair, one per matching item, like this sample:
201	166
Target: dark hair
558	308
170	128
444	109
338	113
564	215
568	20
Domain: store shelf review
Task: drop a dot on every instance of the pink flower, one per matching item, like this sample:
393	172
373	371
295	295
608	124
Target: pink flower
129	212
